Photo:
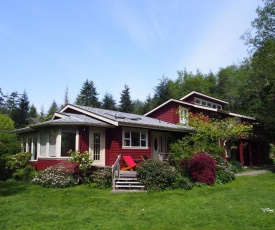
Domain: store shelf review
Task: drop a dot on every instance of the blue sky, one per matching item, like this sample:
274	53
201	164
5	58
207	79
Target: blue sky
47	45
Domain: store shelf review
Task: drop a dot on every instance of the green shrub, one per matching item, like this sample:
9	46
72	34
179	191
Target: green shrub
82	161
18	168
102	178
25	174
236	166
56	176
156	175
224	172
183	182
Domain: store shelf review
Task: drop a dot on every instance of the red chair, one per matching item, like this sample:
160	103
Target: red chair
129	163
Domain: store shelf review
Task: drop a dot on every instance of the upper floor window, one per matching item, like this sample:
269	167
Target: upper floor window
183	116
135	138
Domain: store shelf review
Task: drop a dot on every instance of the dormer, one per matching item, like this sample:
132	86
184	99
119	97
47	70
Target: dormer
200	99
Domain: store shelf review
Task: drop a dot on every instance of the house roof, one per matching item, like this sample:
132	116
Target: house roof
117	118
83	115
194	93
200	107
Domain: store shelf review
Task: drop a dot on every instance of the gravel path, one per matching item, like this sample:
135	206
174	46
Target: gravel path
255	172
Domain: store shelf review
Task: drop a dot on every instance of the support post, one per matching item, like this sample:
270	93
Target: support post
241	152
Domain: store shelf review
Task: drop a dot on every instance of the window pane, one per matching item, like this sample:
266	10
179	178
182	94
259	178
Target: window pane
34	150
127	134
96	146
43	142
67	141
52	142
135	138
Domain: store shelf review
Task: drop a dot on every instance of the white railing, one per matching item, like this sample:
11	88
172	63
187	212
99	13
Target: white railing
116	170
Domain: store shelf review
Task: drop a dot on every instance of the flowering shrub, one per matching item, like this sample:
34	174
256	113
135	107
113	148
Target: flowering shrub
56	176
81	159
156	175
202	169
224	172
82	167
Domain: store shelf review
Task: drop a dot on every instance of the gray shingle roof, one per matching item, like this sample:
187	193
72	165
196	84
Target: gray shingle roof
129	119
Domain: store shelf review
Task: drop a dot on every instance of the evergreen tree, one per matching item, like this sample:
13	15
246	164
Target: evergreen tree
148	104
20	115
88	95
138	107
33	112
53	108
66	97
126	104
108	102
162	91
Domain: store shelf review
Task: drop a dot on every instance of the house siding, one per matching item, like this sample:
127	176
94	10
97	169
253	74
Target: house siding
83	138
43	163
113	144
168	113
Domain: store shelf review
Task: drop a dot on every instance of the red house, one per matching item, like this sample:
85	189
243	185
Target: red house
246	151
103	133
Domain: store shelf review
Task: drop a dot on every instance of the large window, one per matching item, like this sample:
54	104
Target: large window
134	138
67	141
52	142
43	142
183	116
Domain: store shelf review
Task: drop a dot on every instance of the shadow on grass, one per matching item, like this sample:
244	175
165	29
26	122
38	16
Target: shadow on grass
12	188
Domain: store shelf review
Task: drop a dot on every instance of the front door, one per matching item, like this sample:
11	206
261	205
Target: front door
159	146
97	146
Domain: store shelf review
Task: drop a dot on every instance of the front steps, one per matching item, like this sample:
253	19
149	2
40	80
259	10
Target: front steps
127	182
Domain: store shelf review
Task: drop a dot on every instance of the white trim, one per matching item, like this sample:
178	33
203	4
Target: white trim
134	130
203	95
242	116
90	114
59	115
171	100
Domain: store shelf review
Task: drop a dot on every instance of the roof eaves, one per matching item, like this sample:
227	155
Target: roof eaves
96	116
195	92
186	129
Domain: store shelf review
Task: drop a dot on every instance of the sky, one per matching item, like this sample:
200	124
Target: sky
47	46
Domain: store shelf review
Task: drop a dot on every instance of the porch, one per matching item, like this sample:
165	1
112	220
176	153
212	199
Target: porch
125	181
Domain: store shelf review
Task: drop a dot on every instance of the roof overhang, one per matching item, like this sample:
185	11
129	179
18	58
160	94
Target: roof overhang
83	111
203	95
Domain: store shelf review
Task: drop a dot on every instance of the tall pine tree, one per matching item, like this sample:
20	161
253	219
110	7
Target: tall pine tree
126	104
108	102
88	95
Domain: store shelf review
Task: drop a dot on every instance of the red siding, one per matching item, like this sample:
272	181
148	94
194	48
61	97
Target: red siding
42	164
83	138
114	147
168	113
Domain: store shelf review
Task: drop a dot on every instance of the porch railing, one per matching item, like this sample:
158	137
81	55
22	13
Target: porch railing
116	169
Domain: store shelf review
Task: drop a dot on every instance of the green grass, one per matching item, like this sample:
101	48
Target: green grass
236	205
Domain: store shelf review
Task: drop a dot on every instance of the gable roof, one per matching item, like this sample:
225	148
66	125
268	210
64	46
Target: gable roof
117	118
83	115
194	93
200	107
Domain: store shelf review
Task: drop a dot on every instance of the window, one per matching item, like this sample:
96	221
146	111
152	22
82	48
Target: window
96	154
43	142
197	101
183	116
68	137
214	106
52	142
203	103
134	138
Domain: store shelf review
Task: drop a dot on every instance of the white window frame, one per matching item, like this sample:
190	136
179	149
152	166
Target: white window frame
184	116
130	138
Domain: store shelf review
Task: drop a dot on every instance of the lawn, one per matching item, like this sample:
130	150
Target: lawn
237	205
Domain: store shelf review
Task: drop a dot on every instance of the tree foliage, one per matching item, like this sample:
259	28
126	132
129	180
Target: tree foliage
108	102
126	104
209	136
88	95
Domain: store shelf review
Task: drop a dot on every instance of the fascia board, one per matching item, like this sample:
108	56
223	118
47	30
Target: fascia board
101	118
